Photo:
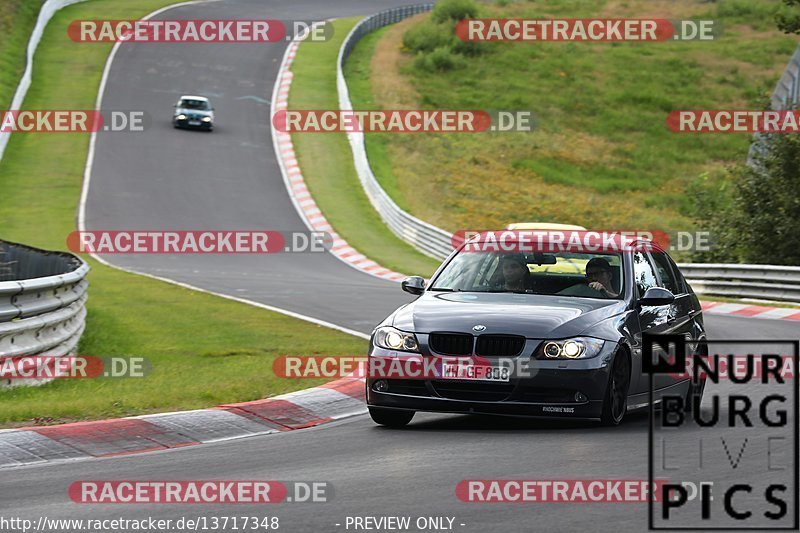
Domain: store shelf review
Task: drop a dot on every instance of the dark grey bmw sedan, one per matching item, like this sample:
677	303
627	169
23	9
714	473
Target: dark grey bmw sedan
549	330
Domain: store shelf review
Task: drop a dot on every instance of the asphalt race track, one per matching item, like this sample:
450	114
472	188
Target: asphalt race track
174	179
168	179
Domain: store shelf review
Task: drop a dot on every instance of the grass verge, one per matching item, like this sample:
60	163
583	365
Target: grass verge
203	350
17	19
602	156
327	163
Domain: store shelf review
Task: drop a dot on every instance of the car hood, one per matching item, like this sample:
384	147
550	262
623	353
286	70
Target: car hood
534	316
195	112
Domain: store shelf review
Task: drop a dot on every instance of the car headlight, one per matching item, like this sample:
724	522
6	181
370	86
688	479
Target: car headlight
390	338
206	119
181	117
575	348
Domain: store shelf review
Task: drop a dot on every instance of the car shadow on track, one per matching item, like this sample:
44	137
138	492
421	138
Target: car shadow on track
634	422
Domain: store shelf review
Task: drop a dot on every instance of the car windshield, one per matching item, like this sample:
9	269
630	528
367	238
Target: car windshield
587	275
202	105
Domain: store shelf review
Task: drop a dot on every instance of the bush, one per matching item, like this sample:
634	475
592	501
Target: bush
468	48
454	10
428	36
440	60
437	34
755	220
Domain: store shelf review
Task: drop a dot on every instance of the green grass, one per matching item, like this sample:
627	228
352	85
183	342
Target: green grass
17	19
203	350
326	160
602	156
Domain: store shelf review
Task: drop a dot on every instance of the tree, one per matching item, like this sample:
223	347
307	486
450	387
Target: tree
789	19
753	214
766	197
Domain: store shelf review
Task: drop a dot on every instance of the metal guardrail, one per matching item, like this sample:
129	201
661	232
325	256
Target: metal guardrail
735	281
425	237
42	304
783	97
764	282
786	91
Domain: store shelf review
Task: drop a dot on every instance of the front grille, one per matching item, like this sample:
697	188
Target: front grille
478	391
451	343
499	345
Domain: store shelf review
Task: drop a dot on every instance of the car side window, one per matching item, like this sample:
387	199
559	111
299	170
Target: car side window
665	271
643	274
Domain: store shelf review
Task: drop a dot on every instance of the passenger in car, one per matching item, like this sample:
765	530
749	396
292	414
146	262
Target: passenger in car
598	281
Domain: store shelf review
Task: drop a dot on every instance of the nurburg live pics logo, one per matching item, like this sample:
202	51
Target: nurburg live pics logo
732	465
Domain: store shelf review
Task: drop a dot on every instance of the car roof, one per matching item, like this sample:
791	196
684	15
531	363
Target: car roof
544	225
191	97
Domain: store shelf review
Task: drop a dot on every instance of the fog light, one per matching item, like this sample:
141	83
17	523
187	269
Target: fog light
580	397
381	385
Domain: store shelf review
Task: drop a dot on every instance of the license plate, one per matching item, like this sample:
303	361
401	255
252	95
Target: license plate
194	122
475	372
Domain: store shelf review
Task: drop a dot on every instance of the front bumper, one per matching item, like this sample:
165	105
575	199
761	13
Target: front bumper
546	389
192	123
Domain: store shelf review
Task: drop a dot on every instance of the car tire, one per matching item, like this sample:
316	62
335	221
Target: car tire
688	405
393	418
615	403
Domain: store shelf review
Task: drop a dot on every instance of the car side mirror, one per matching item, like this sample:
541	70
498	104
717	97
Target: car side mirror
657	296
414	285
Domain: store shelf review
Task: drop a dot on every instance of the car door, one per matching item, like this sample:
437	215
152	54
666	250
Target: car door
681	318
653	319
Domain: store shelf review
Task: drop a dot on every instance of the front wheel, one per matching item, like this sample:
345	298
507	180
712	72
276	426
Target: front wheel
393	418
615	403
694	390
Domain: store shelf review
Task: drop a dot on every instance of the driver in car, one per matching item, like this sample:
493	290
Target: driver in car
598	281
516	275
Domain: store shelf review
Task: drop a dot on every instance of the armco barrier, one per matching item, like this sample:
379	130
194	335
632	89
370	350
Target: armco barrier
734	281
425	237
786	91
764	282
49	8
42	304
783	97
